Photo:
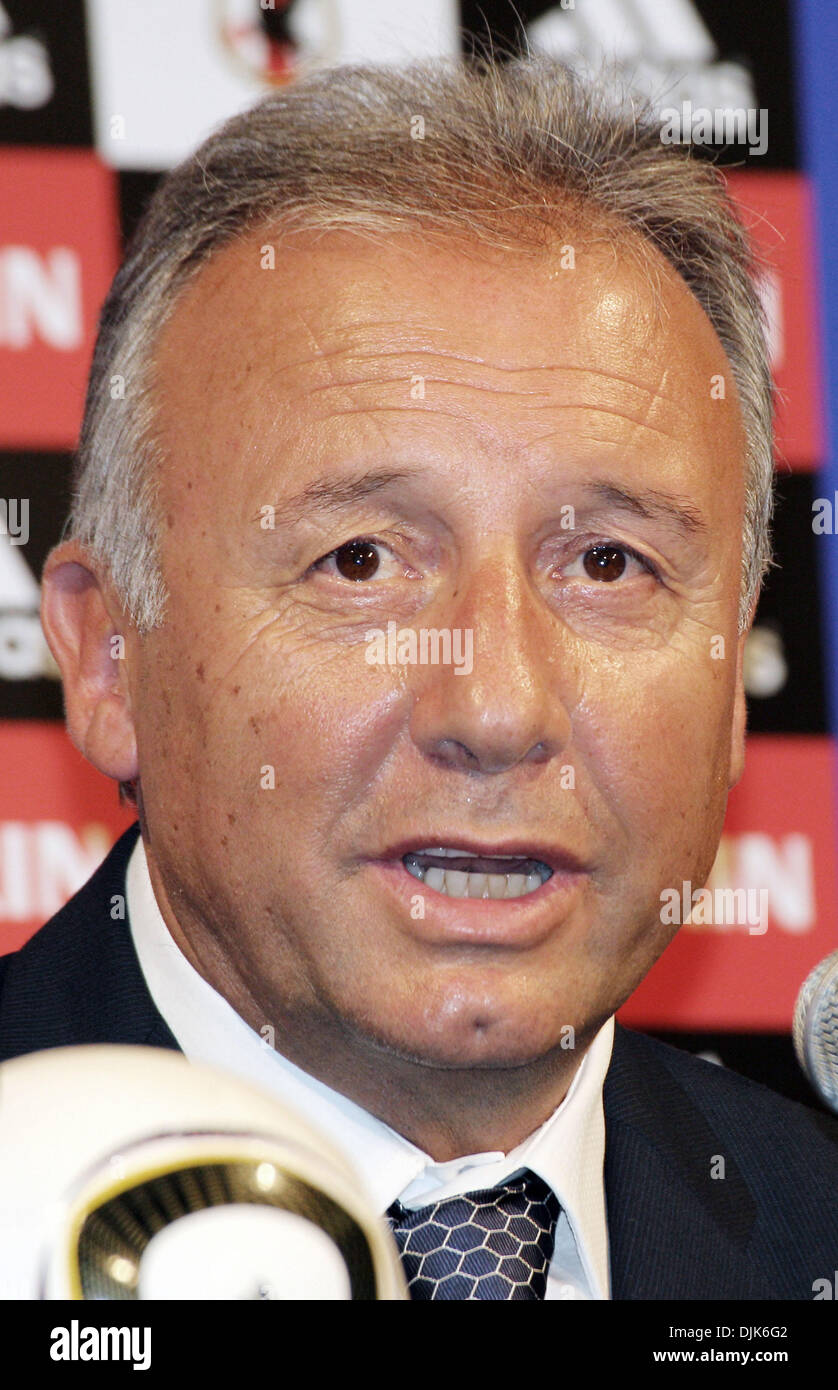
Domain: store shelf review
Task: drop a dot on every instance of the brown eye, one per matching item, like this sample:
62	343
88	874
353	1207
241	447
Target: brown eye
356	560
607	562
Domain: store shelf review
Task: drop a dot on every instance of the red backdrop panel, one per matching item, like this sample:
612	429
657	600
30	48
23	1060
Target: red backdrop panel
58	253
776	209
58	819
779	836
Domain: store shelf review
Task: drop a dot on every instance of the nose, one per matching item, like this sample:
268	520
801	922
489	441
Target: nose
511	706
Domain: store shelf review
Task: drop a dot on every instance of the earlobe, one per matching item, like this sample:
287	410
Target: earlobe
85	637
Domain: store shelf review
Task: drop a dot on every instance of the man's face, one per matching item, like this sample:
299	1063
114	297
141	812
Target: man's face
566	487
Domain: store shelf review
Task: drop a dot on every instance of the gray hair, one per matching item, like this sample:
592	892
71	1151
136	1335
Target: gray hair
509	152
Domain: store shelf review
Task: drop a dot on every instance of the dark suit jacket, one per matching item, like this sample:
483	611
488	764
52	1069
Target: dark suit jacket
767	1229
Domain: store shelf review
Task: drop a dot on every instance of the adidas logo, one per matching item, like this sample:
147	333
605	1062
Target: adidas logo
666	52
26	79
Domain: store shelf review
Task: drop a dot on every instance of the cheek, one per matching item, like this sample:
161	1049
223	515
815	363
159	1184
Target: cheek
323	721
658	743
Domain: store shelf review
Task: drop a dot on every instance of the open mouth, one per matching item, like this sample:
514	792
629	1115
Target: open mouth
456	874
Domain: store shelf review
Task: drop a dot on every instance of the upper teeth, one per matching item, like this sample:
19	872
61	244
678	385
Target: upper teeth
459	883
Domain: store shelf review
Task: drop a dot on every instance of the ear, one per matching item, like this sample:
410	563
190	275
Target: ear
81	621
738	730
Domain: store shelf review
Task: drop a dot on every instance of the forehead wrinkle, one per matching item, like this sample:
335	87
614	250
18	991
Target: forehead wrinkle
361	351
651	399
335	385
412	354
554	406
506	391
638	411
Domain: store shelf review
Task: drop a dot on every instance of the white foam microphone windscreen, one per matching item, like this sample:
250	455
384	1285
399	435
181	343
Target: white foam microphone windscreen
815	1029
132	1173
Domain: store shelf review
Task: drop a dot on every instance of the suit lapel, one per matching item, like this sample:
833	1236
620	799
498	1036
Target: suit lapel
78	979
675	1230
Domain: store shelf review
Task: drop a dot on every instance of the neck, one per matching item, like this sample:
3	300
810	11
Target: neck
447	1112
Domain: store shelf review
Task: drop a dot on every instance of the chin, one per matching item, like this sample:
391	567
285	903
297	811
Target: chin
471	1042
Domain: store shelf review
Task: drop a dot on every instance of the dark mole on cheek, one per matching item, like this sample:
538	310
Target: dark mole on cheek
236	689
254	724
218	608
231	817
199	671
224	841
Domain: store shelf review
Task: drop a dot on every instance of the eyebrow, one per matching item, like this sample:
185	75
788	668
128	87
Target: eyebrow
651	504
330	494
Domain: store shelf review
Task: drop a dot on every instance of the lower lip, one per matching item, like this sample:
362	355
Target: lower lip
521	921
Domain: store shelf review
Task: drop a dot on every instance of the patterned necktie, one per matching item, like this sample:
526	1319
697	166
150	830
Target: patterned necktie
497	1243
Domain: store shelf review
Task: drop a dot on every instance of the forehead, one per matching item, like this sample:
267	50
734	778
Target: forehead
335	325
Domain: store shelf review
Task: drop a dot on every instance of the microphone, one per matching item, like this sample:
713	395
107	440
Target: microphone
132	1173
815	1029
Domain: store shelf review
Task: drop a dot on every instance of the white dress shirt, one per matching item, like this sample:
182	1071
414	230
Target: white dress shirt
567	1151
